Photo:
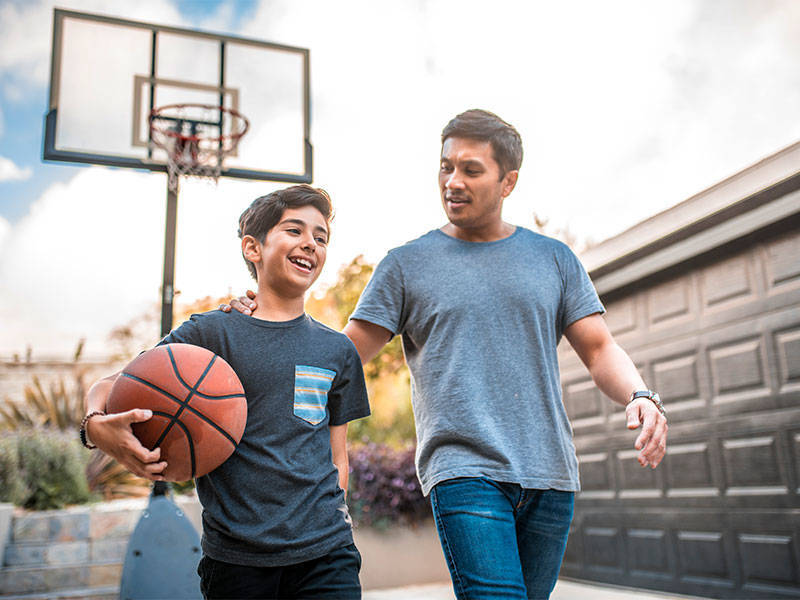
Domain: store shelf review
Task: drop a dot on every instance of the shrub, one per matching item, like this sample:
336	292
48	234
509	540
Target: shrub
43	469
383	487
11	486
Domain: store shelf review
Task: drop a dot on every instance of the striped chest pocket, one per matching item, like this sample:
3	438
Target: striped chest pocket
311	385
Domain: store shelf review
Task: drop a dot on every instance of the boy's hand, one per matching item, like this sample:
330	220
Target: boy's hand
114	436
244	304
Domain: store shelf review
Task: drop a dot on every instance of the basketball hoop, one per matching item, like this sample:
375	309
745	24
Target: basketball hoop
196	138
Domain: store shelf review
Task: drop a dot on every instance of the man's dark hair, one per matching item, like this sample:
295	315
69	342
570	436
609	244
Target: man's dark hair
482	125
266	211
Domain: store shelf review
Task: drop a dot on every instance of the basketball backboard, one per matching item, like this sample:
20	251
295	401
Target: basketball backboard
108	74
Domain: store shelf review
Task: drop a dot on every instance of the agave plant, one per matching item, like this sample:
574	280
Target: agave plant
111	480
57	406
60	406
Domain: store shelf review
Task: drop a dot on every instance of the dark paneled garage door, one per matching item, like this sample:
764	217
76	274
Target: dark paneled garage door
720	339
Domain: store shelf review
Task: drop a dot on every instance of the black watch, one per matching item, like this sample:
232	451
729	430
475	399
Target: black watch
652	396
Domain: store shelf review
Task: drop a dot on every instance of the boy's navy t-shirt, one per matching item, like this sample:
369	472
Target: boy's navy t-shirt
276	501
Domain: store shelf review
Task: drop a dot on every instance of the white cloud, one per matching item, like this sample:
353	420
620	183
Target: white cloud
624	108
89	256
5	227
26	30
11	172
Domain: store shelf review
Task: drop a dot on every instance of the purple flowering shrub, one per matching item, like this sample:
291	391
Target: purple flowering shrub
383	489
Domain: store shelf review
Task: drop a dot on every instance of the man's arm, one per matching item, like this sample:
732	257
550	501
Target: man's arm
114	436
368	338
616	376
339	450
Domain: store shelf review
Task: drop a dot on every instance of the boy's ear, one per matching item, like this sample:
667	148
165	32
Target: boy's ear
251	248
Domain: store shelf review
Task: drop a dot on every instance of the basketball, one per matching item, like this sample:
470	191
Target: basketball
198	403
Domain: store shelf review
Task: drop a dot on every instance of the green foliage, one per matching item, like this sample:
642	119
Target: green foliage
43	469
59	407
12	488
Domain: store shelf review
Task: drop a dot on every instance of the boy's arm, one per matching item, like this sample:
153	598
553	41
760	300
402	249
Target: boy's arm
339	449
114	436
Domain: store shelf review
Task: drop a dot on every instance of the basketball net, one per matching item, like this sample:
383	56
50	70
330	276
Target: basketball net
196	139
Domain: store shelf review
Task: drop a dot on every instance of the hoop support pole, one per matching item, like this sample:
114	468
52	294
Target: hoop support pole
170	231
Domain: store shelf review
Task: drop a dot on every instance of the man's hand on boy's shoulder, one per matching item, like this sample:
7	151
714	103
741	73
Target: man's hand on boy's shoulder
244	304
113	435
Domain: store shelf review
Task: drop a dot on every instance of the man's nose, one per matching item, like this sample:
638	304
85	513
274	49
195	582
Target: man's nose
455	181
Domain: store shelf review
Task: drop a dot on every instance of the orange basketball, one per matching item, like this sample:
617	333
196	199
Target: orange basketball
198	404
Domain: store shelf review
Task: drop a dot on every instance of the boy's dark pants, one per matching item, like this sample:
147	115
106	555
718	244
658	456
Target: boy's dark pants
334	575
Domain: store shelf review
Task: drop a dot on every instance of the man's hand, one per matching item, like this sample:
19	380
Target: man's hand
244	304
652	441
114	436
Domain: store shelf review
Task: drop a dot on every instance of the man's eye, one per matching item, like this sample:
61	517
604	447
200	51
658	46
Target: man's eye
446	168
473	172
294	230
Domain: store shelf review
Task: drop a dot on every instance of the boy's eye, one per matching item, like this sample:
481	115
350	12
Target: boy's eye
321	240
294	230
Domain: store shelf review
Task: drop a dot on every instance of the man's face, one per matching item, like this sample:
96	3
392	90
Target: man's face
470	183
294	251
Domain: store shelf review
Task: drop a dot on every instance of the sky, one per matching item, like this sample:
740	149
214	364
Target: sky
625	107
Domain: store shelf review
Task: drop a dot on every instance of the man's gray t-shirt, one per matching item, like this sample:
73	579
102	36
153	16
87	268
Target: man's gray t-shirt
480	324
276	501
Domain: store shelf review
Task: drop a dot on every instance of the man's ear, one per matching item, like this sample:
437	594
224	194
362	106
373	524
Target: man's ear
509	181
251	248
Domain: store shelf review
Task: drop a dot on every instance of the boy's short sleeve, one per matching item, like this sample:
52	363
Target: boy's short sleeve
347	399
187	332
382	301
579	298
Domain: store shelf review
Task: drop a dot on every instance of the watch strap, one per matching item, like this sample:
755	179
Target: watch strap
652	396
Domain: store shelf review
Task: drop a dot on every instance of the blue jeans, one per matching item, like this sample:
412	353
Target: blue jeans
500	540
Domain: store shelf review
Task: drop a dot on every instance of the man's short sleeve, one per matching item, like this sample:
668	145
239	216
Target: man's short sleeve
347	399
382	301
579	298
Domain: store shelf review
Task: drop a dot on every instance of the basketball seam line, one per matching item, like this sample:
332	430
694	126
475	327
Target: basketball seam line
185	402
188	439
193	389
178	401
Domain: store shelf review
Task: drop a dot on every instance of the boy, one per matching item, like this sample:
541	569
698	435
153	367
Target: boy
275	522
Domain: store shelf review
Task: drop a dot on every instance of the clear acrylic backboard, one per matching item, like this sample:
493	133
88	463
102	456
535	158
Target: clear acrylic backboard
108	74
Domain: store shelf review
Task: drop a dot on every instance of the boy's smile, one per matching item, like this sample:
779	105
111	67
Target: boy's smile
294	251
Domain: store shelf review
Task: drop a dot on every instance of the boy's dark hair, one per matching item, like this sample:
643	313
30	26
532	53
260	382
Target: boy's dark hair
266	211
482	125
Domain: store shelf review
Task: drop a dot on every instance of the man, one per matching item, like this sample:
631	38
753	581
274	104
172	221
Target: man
481	305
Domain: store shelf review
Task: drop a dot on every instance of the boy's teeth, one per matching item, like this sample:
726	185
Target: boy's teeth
301	262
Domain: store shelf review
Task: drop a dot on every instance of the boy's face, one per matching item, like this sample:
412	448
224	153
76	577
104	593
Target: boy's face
294	251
